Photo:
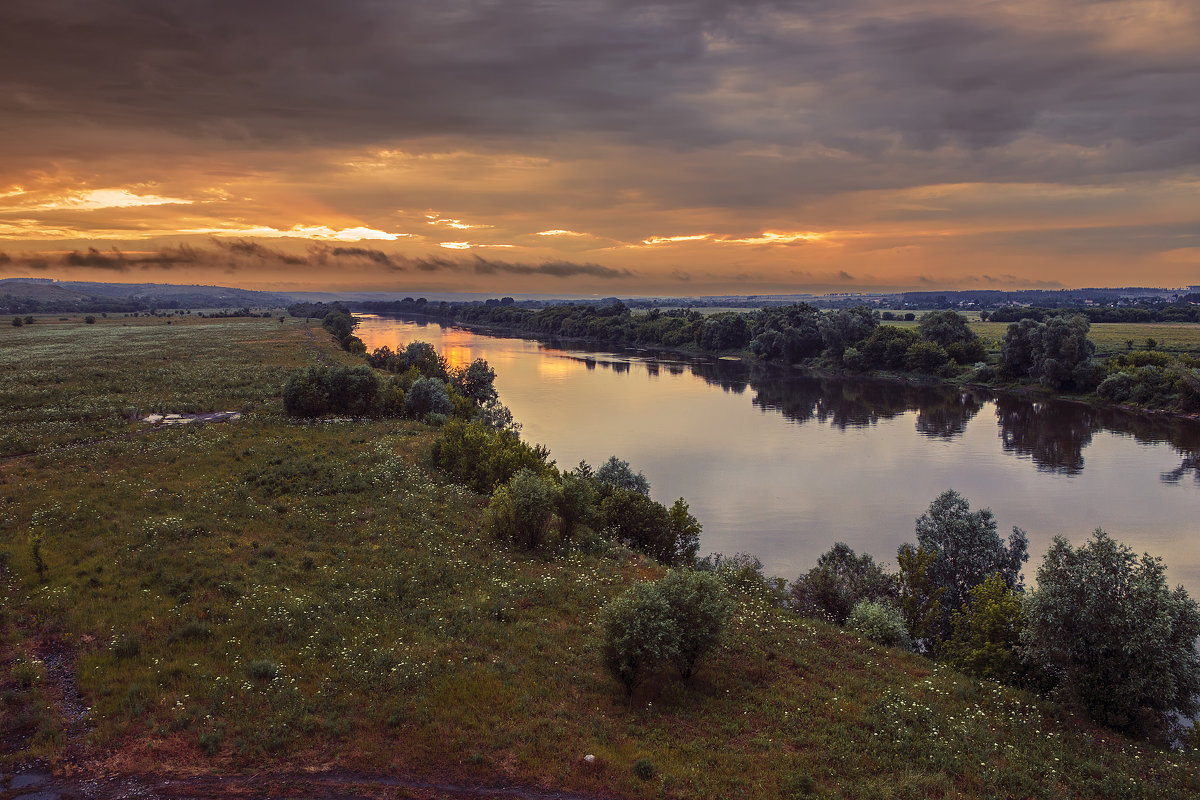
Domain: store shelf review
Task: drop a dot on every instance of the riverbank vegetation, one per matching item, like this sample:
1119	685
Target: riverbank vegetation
1100	632
282	590
1047	349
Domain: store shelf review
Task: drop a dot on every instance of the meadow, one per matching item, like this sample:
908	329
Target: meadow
265	593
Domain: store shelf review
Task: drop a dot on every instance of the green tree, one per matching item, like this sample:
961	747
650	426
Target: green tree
520	511
575	501
648	526
966	549
987	633
846	327
482	458
617	474
700	609
305	394
639	633
427	396
1111	637
920	600
839	581
476	382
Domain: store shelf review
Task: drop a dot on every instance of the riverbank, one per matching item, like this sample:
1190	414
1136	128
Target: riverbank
964	380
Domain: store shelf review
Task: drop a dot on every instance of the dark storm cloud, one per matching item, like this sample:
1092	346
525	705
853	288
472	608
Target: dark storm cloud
240	254
860	77
487	266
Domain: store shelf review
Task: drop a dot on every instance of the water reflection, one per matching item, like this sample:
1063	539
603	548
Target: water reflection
1051	434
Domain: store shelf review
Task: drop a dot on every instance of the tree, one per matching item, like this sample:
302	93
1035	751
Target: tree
839	581
617	474
987	632
669	536
520	510
426	396
575	501
426	360
700	609
966	549
685	529
475	382
846	327
305	394
1066	352
1112	638
639	632
920	601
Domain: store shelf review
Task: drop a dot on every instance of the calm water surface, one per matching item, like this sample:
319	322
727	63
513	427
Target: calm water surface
783	465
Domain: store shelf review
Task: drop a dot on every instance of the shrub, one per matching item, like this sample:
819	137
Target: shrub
520	510
839	581
743	573
617	474
16	321
428	395
575	501
881	623
1110	637
669	535
89	319
639	632
644	768
987	632
701	611
483	458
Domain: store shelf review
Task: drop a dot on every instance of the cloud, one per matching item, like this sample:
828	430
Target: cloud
246	254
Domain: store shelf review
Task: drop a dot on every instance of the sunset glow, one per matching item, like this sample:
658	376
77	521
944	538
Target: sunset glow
765	148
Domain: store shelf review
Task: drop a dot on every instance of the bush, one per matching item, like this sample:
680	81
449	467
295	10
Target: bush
644	768
483	458
575	501
987	632
520	510
839	581
701	611
89	319
316	391
670	536
16	321
1110	637
617	474
881	623
428	395
639	633
743	573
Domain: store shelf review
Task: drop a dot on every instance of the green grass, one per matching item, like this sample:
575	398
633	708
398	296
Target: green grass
1110	337
68	382
267	593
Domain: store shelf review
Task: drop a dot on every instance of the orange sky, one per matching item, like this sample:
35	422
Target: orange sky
603	147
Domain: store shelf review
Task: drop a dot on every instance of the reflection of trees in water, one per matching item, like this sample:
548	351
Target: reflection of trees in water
1052	434
845	402
1182	434
945	414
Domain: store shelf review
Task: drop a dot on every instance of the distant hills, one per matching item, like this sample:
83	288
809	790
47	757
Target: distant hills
46	295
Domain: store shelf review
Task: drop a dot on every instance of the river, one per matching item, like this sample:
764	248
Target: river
782	465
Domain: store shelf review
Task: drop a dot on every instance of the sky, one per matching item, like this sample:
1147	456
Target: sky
602	146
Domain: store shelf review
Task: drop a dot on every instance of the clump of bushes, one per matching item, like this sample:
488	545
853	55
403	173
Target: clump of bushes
675	621
881	623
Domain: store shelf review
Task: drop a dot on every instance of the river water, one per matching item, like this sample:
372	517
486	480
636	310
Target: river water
782	465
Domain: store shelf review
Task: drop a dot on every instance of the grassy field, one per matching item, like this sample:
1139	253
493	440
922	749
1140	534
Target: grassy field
265	593
1110	337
